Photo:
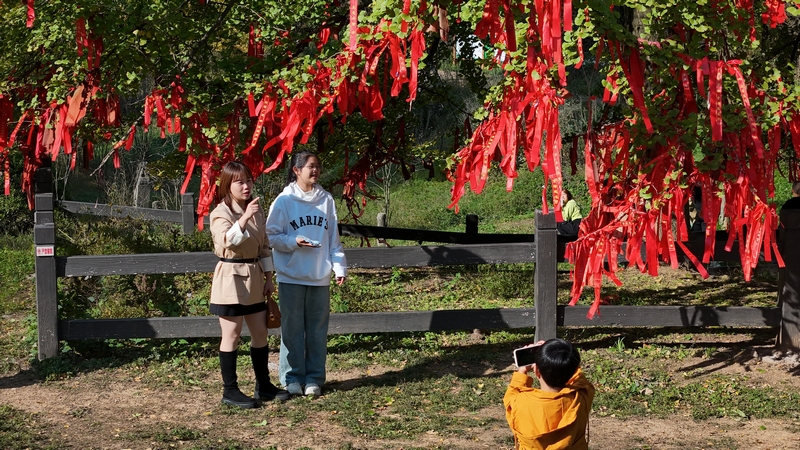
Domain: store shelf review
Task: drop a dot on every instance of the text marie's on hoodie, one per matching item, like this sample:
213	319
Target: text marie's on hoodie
311	215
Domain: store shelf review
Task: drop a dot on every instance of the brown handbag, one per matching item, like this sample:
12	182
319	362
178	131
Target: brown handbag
273	314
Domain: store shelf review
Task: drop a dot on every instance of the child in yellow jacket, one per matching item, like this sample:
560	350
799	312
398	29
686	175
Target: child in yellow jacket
555	416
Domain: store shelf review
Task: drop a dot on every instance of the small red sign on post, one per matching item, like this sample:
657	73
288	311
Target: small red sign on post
45	250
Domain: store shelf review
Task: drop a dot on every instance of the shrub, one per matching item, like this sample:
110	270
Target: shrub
15	217
129	295
16	267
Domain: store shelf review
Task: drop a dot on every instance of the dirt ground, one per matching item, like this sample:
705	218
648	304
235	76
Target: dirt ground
108	409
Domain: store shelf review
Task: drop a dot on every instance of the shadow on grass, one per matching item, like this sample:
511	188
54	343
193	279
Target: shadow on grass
739	350
22	378
478	360
92	355
465	361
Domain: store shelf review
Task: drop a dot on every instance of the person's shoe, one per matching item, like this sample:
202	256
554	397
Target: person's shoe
294	389
235	397
313	390
270	392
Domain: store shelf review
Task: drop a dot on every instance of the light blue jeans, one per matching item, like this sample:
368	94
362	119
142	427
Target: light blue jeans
305	312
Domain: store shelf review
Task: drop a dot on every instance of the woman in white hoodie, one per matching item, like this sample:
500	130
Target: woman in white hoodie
302	229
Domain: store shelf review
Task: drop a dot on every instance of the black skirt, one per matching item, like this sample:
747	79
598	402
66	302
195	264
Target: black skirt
236	309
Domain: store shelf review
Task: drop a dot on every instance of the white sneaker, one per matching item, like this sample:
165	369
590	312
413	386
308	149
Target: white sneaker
314	390
294	389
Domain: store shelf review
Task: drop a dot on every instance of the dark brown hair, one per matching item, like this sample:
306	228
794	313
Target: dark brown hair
232	171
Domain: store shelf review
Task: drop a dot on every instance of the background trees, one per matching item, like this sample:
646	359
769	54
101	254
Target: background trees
673	99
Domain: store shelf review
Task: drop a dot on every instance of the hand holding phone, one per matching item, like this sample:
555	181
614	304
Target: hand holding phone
527	356
303	241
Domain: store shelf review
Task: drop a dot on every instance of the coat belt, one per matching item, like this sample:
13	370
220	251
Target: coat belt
241	260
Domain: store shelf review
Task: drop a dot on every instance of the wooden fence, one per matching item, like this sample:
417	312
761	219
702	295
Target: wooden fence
545	248
186	216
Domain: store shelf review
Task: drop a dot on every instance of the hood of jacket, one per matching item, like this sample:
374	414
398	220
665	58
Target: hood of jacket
316	195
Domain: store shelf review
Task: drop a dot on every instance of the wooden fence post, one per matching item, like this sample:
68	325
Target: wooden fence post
44	239
187	209
472	228
544	277
141	194
789	282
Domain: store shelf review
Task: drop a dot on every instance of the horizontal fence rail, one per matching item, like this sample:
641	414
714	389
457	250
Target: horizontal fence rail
407	234
196	262
441	320
161	215
186	216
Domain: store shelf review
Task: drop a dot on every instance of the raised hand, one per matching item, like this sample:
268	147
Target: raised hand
251	209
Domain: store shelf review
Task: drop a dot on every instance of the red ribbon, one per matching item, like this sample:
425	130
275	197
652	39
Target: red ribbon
751	121
715	99
31	14
634	72
353	25
80	35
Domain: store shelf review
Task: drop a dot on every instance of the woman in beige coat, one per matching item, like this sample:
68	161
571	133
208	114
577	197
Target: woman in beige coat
242	280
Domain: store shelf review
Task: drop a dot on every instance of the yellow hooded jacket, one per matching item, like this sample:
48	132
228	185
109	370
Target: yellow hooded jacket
544	420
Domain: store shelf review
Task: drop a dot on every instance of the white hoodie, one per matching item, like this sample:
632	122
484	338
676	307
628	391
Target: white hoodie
313	216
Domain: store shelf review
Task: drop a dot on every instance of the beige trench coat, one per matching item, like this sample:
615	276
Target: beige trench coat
241	283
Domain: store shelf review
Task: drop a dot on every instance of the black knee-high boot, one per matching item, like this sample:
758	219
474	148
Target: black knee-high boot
231	395
265	390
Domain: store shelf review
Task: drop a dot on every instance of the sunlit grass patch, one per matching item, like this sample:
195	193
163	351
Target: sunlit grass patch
641	383
399	408
20	430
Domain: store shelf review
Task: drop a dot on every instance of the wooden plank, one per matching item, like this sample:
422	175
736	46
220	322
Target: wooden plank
43	202
44	236
443	320
404	234
545	283
344	323
43	218
195	262
374	257
669	316
161	215
471	228
43	179
789	282
187	213
46	306
408	234
145	263
157	327
504	238
43	233
440	255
